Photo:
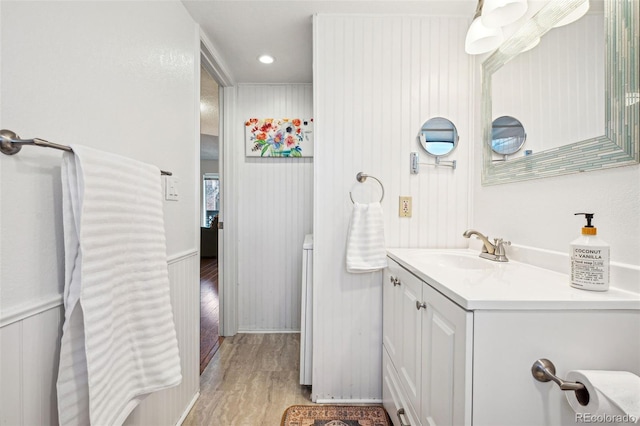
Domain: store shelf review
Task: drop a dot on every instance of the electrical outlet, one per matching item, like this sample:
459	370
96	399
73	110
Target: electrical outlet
405	207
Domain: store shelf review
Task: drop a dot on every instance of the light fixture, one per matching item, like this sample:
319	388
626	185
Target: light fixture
481	39
266	59
575	15
498	13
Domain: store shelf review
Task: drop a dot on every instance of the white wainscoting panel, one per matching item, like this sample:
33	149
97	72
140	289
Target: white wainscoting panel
29	350
275	198
376	80
166	407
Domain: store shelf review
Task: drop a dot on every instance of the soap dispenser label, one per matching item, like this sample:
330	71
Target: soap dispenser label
590	267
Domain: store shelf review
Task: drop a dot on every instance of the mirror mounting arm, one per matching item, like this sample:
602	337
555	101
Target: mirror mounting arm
415	163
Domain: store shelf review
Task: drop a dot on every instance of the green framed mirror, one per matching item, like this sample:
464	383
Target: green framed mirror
619	141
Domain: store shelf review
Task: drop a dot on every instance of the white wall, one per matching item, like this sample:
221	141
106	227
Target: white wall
118	76
376	80
274	213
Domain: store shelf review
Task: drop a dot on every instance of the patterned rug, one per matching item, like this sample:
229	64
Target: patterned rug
335	415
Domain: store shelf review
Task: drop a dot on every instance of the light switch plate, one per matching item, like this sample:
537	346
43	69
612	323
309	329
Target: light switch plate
171	189
405	207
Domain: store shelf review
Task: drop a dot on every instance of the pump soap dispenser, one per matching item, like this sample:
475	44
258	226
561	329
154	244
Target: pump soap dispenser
589	259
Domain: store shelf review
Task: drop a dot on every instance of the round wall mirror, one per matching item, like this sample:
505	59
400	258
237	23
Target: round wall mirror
507	135
438	136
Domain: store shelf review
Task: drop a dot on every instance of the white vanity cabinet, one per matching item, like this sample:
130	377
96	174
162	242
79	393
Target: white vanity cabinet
460	336
426	340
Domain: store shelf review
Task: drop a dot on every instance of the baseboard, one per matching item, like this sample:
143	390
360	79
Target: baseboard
188	409
268	331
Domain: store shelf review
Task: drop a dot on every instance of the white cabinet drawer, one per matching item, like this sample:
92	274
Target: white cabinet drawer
400	411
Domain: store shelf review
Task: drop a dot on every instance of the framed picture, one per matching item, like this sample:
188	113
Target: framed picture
279	137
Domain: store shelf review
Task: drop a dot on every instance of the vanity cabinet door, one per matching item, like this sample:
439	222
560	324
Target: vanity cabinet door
401	329
409	364
391	292
446	362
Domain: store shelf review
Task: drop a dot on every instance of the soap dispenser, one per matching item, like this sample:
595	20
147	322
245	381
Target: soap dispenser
589	259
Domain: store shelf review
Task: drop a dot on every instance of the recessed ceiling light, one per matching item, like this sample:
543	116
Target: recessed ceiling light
266	59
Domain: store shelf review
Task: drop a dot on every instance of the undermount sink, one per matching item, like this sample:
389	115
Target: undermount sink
459	260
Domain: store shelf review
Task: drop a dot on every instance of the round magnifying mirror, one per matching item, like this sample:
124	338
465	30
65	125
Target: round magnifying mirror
507	135
438	136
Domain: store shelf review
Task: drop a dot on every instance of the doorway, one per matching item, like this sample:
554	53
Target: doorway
210	207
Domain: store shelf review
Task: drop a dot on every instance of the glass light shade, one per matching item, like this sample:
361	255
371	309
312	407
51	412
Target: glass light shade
575	15
481	39
498	13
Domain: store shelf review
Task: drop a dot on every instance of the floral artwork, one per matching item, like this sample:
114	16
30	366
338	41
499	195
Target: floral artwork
279	137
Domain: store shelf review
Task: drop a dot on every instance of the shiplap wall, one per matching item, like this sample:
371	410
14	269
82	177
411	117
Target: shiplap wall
29	350
567	70
274	213
376	80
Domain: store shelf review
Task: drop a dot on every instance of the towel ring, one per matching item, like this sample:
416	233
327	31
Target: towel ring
361	177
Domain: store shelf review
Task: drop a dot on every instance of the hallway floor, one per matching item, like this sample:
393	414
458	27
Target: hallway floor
250	381
209	311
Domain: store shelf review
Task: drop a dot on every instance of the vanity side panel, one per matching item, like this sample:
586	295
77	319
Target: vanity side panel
507	343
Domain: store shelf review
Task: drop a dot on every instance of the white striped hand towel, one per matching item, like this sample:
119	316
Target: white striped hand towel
119	341
365	241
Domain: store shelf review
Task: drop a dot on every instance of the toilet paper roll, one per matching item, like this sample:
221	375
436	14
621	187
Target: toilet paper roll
611	393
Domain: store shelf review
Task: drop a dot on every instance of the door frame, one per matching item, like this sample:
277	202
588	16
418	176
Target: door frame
227	235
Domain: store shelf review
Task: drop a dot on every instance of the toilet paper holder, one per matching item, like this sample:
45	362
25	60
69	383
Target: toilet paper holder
543	370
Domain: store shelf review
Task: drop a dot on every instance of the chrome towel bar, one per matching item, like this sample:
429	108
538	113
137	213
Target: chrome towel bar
10	144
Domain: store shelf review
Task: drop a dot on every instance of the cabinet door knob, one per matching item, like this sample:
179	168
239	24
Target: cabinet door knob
420	305
401	413
394	280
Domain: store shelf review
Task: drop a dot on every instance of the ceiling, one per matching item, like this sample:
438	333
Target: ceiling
242	30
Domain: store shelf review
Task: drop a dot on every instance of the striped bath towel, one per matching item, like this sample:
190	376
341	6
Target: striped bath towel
365	240
119	341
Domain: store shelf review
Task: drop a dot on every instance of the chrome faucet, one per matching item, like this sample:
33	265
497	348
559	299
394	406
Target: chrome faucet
495	251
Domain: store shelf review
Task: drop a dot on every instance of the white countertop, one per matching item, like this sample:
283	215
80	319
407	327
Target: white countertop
505	286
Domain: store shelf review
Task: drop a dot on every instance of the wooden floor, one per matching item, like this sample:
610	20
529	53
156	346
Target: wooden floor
250	381
209	311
